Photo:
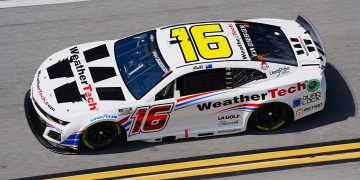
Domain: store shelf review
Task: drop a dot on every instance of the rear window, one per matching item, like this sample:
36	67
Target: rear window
267	41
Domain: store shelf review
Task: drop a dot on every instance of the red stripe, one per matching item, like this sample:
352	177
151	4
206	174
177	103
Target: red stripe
123	119
254	105
49	124
195	95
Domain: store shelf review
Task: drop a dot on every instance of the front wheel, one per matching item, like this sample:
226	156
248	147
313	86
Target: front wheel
271	116
101	135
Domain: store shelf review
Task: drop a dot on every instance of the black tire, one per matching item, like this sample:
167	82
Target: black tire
101	135
271	116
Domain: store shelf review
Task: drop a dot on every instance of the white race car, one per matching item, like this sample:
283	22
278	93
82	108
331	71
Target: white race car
181	81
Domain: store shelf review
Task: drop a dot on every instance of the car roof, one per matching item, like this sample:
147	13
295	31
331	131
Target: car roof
174	56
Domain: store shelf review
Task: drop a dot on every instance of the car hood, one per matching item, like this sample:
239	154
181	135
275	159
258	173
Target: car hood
81	78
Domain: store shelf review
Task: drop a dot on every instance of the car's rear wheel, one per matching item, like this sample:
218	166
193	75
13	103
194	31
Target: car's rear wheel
101	135
271	116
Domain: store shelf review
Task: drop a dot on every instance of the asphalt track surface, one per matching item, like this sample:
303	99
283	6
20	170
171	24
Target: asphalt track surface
30	34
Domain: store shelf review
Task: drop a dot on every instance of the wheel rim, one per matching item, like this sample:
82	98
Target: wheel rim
271	116
102	134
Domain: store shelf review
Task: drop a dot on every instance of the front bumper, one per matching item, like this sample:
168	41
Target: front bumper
37	129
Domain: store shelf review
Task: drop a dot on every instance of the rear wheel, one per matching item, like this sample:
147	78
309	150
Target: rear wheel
271	116
101	135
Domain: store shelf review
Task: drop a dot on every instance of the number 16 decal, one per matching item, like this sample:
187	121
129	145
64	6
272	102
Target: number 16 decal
207	45
150	119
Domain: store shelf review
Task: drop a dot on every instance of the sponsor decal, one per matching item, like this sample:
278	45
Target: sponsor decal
280	71
229	131
238	41
125	111
306	99
228	117
274	93
104	116
235	100
314	107
158	60
191	100
311	98
226	123
296	102
248	40
313	85
264	65
40	92
199	67
299	112
282	92
81	75
88	90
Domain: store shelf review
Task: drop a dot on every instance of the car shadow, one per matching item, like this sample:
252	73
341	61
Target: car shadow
339	106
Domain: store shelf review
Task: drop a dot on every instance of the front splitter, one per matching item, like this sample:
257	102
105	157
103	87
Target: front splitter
34	123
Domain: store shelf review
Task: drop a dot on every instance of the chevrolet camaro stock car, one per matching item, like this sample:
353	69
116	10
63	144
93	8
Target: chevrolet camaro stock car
180	81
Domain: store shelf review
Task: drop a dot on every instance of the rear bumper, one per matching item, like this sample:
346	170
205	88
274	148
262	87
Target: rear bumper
36	128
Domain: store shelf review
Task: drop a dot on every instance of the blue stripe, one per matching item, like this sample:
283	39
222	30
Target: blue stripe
127	129
242	108
198	99
195	100
127	124
70	142
74	136
247	108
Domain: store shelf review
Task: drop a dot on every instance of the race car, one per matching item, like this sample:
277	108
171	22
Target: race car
180	81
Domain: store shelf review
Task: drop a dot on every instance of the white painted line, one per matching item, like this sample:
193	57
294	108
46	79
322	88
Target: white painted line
19	3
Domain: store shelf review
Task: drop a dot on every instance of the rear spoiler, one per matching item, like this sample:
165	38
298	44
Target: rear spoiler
310	29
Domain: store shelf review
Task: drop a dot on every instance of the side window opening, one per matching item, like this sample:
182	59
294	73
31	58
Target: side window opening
166	93
242	76
216	79
201	81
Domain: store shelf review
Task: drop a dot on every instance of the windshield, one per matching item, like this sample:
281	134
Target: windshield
267	41
140	62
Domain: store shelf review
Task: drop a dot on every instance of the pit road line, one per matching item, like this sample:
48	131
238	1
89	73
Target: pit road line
252	166
218	161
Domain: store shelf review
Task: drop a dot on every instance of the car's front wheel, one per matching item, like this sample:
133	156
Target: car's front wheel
101	135
271	116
